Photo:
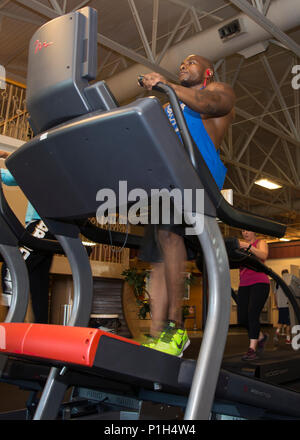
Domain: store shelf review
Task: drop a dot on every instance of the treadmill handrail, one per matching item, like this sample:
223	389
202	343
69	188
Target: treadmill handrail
23	236
226	212
104	236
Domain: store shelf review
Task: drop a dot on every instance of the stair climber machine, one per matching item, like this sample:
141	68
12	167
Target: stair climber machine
85	142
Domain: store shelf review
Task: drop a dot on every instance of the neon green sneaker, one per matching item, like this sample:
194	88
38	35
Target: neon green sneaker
150	341
172	340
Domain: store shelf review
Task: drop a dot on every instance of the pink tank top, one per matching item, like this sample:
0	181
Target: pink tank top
249	277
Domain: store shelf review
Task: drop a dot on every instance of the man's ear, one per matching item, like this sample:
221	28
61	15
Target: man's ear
209	73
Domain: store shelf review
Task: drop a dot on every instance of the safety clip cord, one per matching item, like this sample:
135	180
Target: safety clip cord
125	241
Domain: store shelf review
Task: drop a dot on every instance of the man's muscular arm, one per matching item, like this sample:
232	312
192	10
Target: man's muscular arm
216	100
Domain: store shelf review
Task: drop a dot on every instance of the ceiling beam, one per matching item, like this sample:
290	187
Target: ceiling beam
281	181
275	165
184	29
104	62
267	25
265	109
291	162
280	98
39	7
297	118
256	120
80	5
64	6
21	18
259	172
171	37
200	11
242	180
154	26
196	20
141	30
56	6
131	54
113	45
264	203
237	72
15	55
3	3
258	4
266	6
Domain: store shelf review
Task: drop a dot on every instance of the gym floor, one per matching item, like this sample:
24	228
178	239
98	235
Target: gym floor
12	398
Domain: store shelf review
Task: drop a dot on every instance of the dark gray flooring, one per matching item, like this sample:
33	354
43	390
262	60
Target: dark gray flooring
237	342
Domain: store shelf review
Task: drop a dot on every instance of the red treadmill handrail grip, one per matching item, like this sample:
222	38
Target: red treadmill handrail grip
74	345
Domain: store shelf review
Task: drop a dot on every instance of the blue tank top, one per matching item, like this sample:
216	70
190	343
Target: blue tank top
9	180
202	140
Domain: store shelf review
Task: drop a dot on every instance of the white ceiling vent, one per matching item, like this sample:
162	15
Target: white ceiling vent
255	49
232	29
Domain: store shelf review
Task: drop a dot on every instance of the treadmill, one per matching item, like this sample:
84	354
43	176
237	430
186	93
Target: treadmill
274	366
74	154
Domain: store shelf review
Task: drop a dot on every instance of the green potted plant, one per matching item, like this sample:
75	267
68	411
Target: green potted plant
137	280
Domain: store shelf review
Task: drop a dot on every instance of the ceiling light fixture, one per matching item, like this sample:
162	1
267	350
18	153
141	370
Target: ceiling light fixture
266	183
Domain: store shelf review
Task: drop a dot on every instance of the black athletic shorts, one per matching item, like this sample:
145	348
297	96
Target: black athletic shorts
151	251
284	316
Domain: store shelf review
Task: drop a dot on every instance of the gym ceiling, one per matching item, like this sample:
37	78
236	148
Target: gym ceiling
258	57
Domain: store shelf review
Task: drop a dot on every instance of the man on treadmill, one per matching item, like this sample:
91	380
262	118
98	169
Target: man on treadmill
208	108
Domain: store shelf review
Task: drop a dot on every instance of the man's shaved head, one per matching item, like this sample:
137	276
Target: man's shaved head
195	70
204	62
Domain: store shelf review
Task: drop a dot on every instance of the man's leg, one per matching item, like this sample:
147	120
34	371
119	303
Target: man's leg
174	256
166	293
158	298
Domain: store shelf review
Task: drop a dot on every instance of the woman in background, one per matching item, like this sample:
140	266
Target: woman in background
252	294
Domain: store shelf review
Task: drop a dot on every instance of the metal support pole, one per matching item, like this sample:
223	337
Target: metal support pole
214	339
204	295
52	396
